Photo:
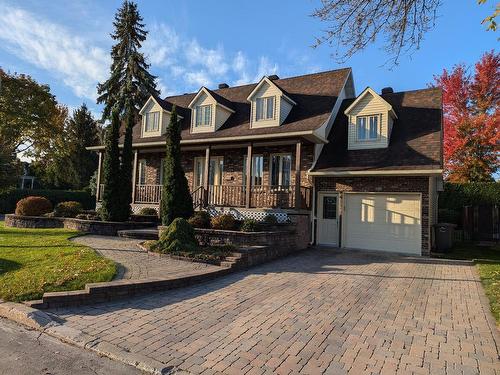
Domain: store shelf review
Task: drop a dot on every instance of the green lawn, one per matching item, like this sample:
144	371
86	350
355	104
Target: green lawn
34	261
487	261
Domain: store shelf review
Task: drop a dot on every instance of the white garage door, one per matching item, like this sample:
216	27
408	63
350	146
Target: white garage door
389	222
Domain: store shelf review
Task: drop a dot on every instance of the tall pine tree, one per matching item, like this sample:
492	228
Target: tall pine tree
112	208
129	85
176	199
81	132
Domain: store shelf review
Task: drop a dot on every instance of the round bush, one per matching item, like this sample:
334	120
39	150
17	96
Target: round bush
148	211
68	209
270	220
250	225
200	219
33	206
178	237
223	222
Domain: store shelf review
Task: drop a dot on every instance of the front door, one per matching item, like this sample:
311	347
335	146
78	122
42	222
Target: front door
215	179
328	230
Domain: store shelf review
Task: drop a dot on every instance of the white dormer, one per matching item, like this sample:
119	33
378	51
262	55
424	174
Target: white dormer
270	105
207	113
155	118
370	120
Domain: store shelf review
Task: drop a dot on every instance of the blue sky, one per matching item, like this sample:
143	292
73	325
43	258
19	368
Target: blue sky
66	44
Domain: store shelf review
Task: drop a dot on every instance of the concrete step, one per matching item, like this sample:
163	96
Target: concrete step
140	234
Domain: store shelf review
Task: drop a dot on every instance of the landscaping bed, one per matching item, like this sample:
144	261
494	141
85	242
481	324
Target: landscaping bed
44	260
487	261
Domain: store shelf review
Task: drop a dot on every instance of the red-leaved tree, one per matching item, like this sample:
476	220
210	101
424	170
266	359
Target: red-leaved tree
471	120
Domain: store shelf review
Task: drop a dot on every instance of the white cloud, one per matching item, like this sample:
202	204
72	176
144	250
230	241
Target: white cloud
161	45
240	66
51	47
198	78
265	68
213	60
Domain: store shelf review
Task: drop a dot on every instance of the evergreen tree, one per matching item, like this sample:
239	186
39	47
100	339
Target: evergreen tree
129	78
112	209
176	199
81	132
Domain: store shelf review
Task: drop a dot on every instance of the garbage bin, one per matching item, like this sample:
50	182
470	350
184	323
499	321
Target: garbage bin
443	235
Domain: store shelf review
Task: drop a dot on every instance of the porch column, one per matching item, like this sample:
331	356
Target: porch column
98	187
297	175
134	174
206	174
248	182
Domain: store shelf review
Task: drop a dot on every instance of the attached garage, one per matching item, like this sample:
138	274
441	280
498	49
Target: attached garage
388	222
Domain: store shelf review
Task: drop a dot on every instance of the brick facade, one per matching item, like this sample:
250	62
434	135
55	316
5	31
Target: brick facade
403	184
233	163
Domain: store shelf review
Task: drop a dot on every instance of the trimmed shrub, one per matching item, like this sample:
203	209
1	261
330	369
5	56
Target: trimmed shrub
456	196
9	198
446	215
224	222
270	220
88	215
68	209
33	206
250	225
200	219
148	211
178	237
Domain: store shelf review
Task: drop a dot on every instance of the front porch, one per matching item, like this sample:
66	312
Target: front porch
252	176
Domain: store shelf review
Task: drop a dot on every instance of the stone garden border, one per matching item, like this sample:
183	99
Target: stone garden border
105	228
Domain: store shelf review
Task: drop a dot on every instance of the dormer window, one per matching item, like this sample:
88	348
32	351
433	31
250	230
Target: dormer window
368	127
203	115
265	108
152	122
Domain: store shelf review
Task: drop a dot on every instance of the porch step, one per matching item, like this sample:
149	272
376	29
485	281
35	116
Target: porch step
139	234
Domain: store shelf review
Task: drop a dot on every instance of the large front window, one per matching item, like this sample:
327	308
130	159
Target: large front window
257	170
265	108
281	168
203	115
367	127
152	122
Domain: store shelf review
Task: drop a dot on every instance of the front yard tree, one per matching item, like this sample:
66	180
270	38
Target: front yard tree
112	209
176	199
129	84
471	120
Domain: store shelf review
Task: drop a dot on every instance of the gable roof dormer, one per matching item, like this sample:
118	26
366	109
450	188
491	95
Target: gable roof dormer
209	111
370	121
270	104
155	117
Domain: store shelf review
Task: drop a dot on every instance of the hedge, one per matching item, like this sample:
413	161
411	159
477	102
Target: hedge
456	196
9	198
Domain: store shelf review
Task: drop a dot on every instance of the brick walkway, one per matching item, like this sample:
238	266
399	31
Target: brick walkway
317	312
135	263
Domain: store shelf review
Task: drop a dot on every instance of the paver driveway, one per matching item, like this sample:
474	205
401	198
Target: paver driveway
322	311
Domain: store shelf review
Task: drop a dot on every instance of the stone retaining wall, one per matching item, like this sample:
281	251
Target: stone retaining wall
105	228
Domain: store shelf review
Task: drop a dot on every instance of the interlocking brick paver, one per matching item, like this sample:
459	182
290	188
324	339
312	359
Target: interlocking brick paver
321	311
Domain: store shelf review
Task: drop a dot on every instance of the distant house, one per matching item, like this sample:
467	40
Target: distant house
363	169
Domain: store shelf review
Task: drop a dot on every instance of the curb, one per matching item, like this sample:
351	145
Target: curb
40	321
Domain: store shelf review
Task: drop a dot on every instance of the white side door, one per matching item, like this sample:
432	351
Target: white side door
328	229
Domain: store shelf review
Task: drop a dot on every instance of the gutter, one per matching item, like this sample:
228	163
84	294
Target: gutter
388	172
307	133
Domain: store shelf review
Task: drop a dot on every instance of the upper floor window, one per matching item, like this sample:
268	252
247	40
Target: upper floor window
203	115
152	122
265	108
368	127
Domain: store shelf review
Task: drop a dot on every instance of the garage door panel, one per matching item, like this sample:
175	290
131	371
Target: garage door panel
383	222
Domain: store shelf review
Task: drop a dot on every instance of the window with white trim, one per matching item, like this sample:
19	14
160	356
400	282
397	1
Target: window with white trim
367	127
142	172
281	170
203	115
199	169
264	108
257	170
152	122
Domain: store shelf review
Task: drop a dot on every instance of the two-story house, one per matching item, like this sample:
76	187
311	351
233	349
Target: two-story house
364	169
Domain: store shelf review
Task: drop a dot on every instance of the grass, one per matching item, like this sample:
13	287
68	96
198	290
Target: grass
487	260
34	261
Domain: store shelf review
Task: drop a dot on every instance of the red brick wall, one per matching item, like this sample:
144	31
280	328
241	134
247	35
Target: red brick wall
409	184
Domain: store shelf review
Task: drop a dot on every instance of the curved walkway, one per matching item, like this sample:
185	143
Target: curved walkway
134	263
